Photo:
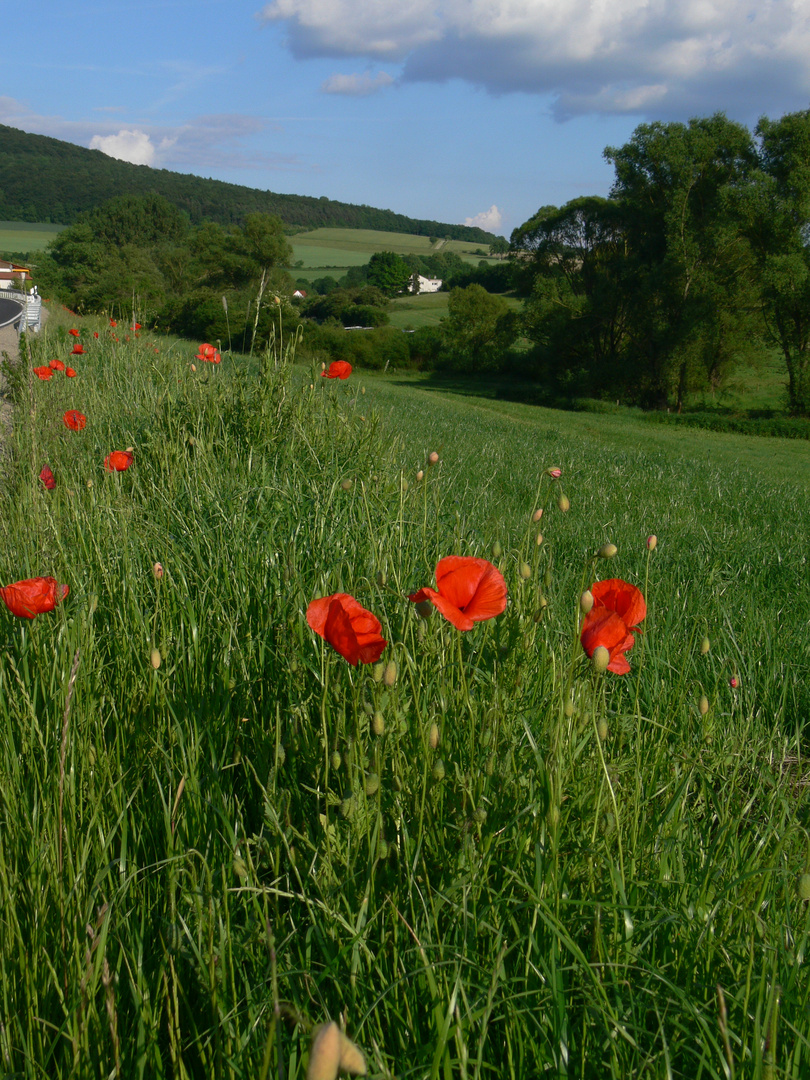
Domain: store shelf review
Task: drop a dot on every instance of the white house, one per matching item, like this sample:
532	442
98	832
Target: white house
424	284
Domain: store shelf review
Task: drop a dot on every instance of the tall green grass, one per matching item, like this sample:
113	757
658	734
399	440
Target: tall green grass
490	862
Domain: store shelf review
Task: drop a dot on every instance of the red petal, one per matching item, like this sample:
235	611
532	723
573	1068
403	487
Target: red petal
622	597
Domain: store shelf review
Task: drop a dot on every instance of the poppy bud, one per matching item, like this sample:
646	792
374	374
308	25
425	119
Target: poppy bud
239	867
602	728
525	571
538	539
433	736
564	503
378	723
600	659
390	674
537	514
586	602
93	604
438	770
703	704
607	551
381	578
479	815
377	672
733	682
193	367
372	784
433	458
324	1056
382	853
568	709
704	646
554	472
497	550
651	542
420	475
804	887
157	570
336	760
155	658
346	807
424	609
346	484
405	484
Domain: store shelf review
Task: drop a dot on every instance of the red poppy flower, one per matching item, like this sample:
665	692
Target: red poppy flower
338	369
348	627
43	373
113	322
118	461
47	478
136	326
75	333
56	365
78	349
33	597
208	353
467	591
74	420
617	610
70	373
95	333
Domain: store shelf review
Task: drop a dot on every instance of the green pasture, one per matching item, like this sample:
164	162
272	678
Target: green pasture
341	248
480	855
22	236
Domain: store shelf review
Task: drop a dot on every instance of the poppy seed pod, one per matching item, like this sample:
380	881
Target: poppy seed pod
324	1055
607	551
651	542
564	503
390	674
586	602
600	659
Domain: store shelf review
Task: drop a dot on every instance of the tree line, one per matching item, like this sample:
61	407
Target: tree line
698	259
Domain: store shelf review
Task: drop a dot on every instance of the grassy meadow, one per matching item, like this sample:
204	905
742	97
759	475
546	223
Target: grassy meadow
338	249
480	856
17	236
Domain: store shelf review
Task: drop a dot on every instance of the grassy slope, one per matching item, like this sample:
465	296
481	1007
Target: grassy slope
25	236
555	901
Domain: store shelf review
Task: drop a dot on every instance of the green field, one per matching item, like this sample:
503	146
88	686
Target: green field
483	855
342	248
22	236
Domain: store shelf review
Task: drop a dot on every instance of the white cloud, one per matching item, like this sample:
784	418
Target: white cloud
490	220
133	146
356	85
609	56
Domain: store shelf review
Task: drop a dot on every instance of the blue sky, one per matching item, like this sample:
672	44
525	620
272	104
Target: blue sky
454	110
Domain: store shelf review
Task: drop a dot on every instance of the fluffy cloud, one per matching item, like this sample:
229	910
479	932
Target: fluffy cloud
626	56
490	220
133	146
356	85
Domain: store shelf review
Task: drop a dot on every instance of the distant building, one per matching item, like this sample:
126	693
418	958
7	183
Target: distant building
299	294
11	274
421	284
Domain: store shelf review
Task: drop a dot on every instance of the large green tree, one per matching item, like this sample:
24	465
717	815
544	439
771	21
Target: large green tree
388	272
779	228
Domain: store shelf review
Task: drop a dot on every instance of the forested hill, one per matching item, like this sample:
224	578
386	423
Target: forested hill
44	179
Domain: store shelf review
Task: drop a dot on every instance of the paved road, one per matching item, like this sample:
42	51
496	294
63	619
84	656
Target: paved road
9	311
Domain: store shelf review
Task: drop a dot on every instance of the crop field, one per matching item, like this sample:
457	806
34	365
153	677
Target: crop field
20	236
354	247
474	729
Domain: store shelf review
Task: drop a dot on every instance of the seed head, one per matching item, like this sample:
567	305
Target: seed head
651	542
324	1055
351	1058
390	674
586	602
564	503
600	659
607	551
